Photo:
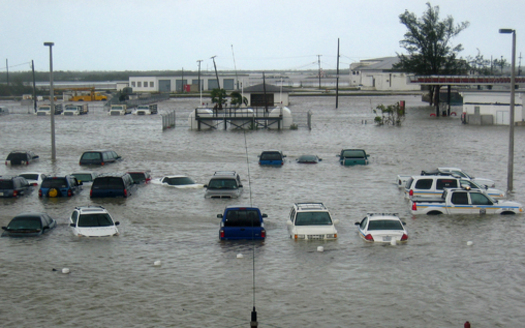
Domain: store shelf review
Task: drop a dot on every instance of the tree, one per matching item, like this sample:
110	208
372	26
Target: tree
389	115
237	99
479	64
218	97
428	43
501	63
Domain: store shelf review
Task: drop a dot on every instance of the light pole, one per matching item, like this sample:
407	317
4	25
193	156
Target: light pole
216	75
199	84
510	165
52	100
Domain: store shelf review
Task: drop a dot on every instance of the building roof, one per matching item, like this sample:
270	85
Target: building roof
259	88
377	64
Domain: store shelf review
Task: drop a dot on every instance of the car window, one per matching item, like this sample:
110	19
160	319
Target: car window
424	184
409	183
459	198
273	156
108	183
354	153
446	183
292	215
25	223
461	174
83	177
384	225
138	177
94	220
17	157
74	217
91	156
178	181
6	184
242	218
363	223
313	218
479	199
54	183
223	184
46	220
30	176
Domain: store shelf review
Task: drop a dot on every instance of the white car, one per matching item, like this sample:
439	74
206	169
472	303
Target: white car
85	177
481	181
382	228
93	221
308	221
177	181
34	178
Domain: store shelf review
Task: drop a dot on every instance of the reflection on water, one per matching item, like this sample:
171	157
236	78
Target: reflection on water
435	279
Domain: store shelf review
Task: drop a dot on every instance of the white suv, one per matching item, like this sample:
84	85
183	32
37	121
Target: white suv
309	221
92	221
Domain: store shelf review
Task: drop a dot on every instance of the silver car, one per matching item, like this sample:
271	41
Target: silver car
224	184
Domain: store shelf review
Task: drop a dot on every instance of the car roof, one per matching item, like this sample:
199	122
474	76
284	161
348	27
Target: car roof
383	216
31	173
175	176
91	208
9	177
310	206
139	171
241	206
225	174
31	214
114	175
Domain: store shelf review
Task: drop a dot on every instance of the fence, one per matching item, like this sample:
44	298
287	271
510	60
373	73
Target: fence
168	120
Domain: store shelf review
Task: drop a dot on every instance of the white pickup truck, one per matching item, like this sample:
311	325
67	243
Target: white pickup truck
463	201
402	179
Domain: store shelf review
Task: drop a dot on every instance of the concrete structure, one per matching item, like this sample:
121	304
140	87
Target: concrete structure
177	83
378	74
492	107
277	96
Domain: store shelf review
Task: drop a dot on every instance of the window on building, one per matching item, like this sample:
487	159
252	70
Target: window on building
139	84
133	83
151	84
145	84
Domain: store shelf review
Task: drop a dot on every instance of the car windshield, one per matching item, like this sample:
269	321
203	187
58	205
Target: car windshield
108	183
354	153
313	218
385	225
222	184
6	184
30	176
84	177
25	223
94	220
273	156
179	181
54	183
138	177
91	155
242	218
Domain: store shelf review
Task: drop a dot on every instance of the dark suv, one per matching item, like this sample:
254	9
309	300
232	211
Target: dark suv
20	157
99	157
14	186
59	186
112	185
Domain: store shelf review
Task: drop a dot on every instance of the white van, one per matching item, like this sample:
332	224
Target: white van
432	186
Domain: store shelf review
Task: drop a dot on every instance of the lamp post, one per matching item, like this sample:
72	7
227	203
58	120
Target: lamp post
510	165
52	100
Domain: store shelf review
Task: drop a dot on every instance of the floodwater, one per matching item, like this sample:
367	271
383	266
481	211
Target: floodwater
434	280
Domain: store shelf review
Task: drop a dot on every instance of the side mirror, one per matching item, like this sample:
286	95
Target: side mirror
336	221
320	159
219	216
72	225
205	186
265	215
404	223
4	228
284	155
289	223
357	223
117	223
36	156
486	187
240	186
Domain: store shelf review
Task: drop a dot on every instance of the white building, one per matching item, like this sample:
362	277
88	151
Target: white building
492	107
378	75
177	83
275	95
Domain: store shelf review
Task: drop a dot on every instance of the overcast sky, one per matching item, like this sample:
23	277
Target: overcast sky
263	34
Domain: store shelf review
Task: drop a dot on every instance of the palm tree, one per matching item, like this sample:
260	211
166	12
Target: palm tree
237	99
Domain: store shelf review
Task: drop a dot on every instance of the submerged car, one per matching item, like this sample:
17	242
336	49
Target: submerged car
271	157
33	178
14	186
348	157
59	186
93	221
224	184
309	159
24	157
178	181
112	185
242	223
85	177
140	177
29	225
382	228
99	157
309	221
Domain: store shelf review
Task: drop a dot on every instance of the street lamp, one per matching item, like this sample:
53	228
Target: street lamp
510	165
52	100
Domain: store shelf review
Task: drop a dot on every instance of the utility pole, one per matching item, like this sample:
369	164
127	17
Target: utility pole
199	78
319	63
34	84
519	66
182	81
216	75
7	72
52	100
337	78
235	68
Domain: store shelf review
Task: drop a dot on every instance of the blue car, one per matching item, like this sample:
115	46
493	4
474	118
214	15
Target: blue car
29	225
242	223
112	185
55	186
271	157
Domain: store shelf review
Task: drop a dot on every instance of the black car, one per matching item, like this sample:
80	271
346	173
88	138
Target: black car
58	186
99	157
140	177
14	186
309	159
20	157
29	225
112	185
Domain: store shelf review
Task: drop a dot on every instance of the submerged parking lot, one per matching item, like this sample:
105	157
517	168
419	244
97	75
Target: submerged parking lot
435	279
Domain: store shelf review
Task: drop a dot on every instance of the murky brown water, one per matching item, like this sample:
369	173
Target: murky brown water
435	280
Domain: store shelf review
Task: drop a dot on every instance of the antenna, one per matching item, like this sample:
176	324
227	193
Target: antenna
235	68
